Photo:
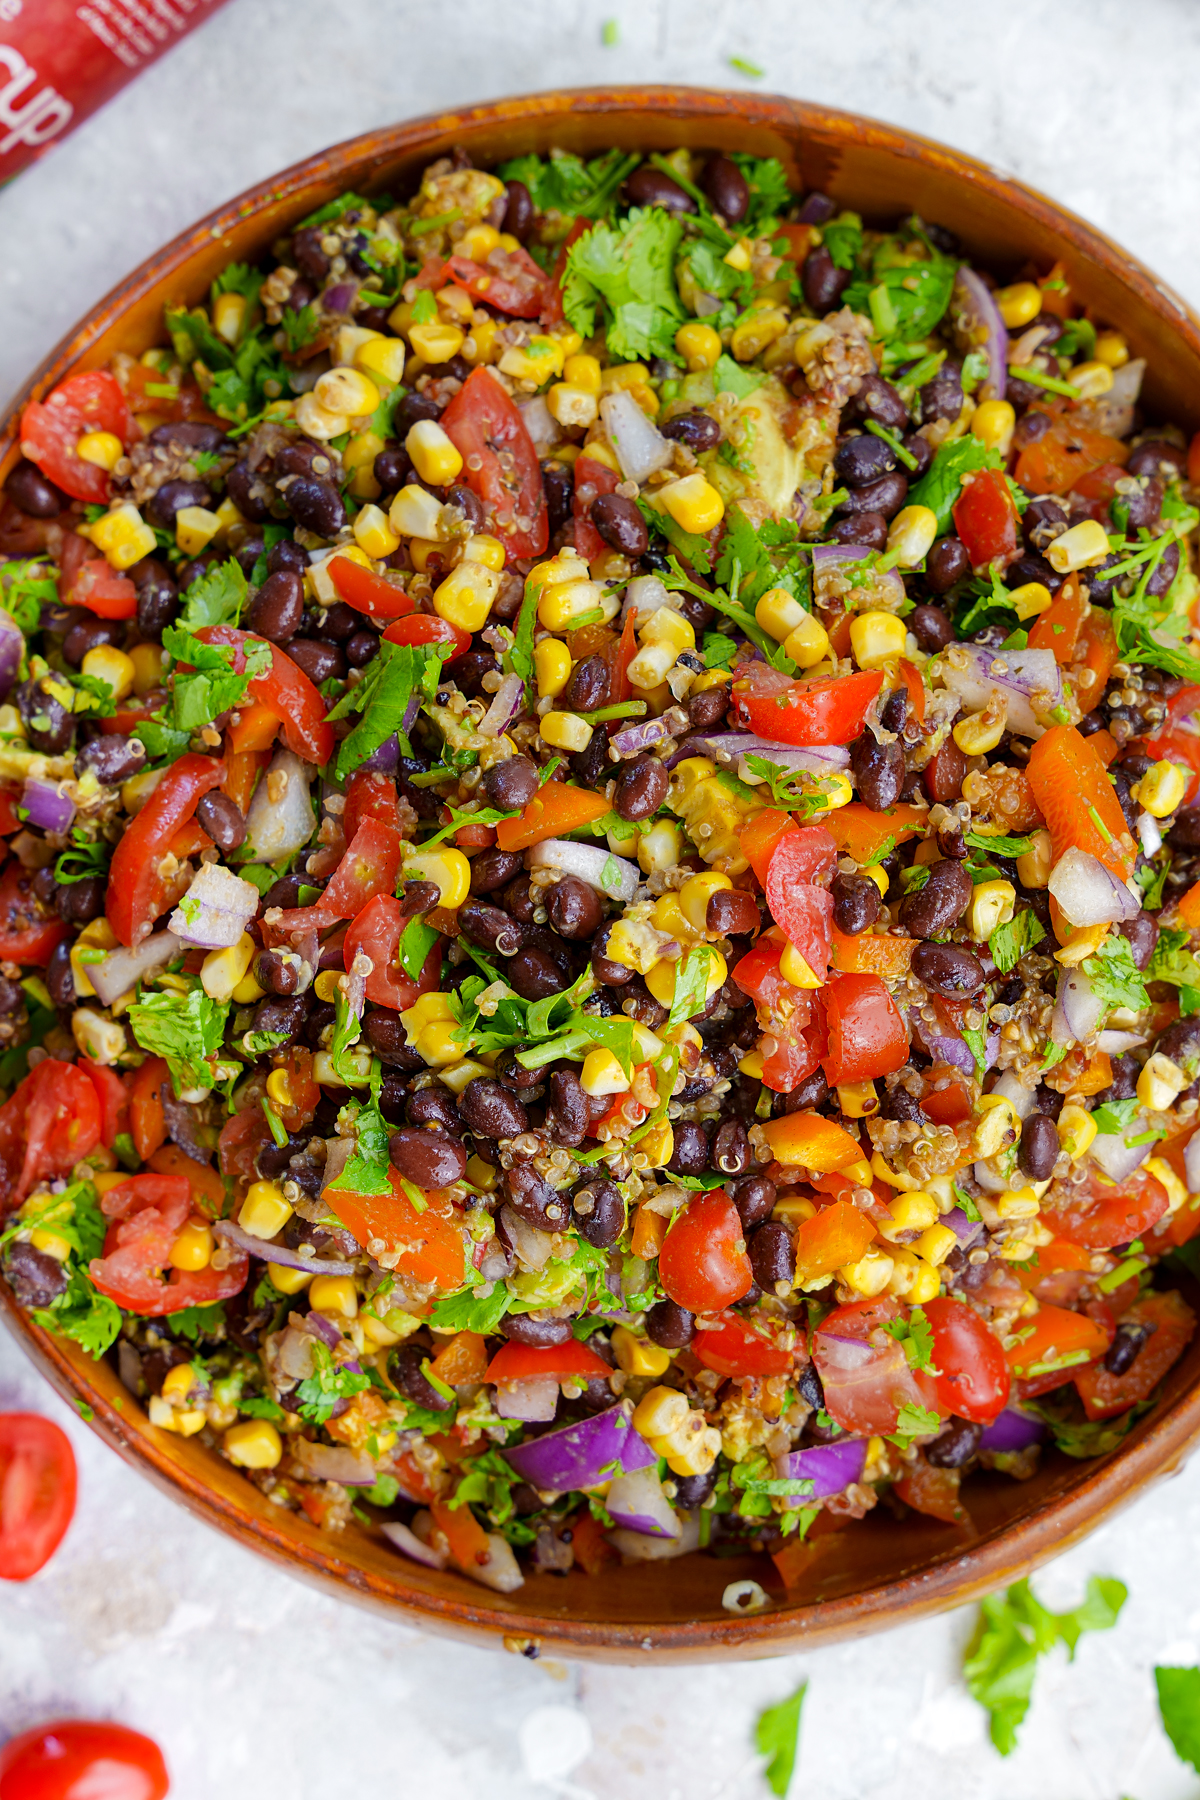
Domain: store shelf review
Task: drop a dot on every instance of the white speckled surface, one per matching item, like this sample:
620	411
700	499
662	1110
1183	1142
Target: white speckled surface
255	1686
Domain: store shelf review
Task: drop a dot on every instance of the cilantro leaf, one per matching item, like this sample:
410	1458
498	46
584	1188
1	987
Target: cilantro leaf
1115	977
913	1422
941	484
777	1737
1173	962
84	1314
1008	943
770	193
916	1335
383	698
367	1169
691	984
300	328
471	1311
416	941
1014	1630
749	563
718	650
336	209
688	543
186	1029
1179	1709
25	587
328	1383
731	378
198	1321
210	685
630	270
563	182
214	598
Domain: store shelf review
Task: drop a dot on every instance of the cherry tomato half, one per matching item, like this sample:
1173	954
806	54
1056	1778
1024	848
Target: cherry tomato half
25	937
82	1759
974	1381
91	401
735	1348
703	1264
565	1362
805	712
867	1036
804	910
367	592
427	628
865	1373
51	1120
1099	1214
985	517
37	1493
377	930
502	465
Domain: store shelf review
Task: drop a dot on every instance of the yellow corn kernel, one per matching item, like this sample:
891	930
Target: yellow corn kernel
752	334
1076	1131
486	550
858	1099
874	636
124	537
695	1454
793	1209
657	1146
222	970
926	1282
566	601
1034	868
552	667
436	342
696	893
358	458
465	597
148	662
435	458
264	1212
1159	792
482	1175
1031	598
279	1086
373	532
229	316
1020	304
808	644
334	1294
870	1275
1160	1083
134	794
416	513
911	535
936	1244
1079	548
574	408
660	848
752	1065
1091	380
539	361
247	991
565	731
348	340
193	1247
638	1356
661	978
103	448
779	613
347	392
178	1382
255	1444
794	968
316	421
325	987
699	346
382	357
229	516
879	876
288	1280
1161	1170
1018	1203
993	423
693	503
583	372
688	775
50	1242
101	1040
1111	348
905	1268
195	529
111	666
424	1011
914	1211
450	870
439	1044
998	1125
478	242
982	731
660	1413
992	904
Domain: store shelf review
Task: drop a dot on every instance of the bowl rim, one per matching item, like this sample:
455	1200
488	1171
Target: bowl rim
186	1471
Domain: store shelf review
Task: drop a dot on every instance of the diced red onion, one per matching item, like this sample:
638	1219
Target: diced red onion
989	1180
965	1230
1026	675
532	1245
1191	1163
1115	1156
328	1462
323	1327
12	648
216	909
1012	1430
507	702
1078	1009
731	746
1011	1088
943	1046
608	874
637	1502
645	595
576	1456
826	558
278	1253
633	738
534	1398
830	1468
979	326
384	760
122	969
1149	834
340	298
635	1546
540	423
278	828
48	807
1116	1043
501	1572
356	982
410	1545
641	448
1088	892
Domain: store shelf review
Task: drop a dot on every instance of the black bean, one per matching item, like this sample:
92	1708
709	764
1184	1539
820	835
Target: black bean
1038	1150
559	485
404	1366
954	1445
278	607
921	451
726	188
172	497
898	1103
79	902
670	1326
590	767
340	622
893	714
698	430
431	1159
286	554
620	524
878	771
534	1200
362	648
276	974
754	1199
860	460
942	396
60	977
518	898
1144	506
36	1277
282	1015
518	209
492	868
87	635
607	972
813	1091
1157	457
574	907
690	1153
856	903
285	892
590	686
490	1110
510	784
885	496
217	814
535	975
648	186
389	1040
157	597
867	528
733	912
1126	1069
319	661
947	968
823	282
941	903
642	785
1142	932
692	1491
772	1257
308	255
599	1210
469	671
393	1096
946	564
435	1106
568	1109
1042	522
392	468
731	1149
708	707
1032	568
32	494
12	997
810	1389
698	613
490	927
1123	1351
878	399
315	505
944	773
539	1334
48	723
1165	570
250	490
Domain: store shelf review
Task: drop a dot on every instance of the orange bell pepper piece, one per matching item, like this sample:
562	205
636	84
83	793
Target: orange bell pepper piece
463	1533
554	809
1078	802
430	1243
242	769
1097	1075
592	1549
1098	655
1056	292
759	836
807	1141
1065	453
208	1189
868	954
255	729
649	1230
463	1359
1189	907
147	1120
1059	1339
1059	626
1105	746
1051	1259
837	1235
861	833
190	840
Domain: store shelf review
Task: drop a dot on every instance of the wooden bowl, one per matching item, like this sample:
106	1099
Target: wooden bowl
879	1571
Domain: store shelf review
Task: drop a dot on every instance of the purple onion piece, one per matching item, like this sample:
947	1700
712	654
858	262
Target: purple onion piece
978	326
728	746
278	1253
123	969
576	1456
637	1502
48	809
340	298
385	760
830	1468
410	1545
324	1328
942	1046
1012	1430
507	702
12	648
633	738
965	1230
1191	1163
976	673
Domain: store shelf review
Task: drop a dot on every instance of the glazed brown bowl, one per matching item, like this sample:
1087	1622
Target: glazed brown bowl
880	1571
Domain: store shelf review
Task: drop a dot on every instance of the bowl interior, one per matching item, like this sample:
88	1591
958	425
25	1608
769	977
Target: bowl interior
879	1569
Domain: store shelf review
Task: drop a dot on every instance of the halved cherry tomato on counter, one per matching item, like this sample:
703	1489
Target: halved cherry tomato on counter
368	592
137	893
866	1380
78	1759
805	712
286	689
50	1122
37	1495
735	1348
867	1036
50	430
502	465
985	517
974	1378
703	1264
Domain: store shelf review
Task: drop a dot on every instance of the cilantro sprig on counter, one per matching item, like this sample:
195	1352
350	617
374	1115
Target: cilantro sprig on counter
1015	1629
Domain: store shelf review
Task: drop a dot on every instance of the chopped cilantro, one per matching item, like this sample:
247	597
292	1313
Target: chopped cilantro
630	270
186	1029
913	1422
776	1736
563	182
210	685
1014	1630
399	672
1115	977
1008	943
328	1383
1179	1709
941	484
214	598
916	1335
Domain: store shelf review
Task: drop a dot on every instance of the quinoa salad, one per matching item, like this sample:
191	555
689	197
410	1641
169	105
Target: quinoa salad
599	910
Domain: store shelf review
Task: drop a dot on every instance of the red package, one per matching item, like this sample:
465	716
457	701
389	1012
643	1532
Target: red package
60	60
